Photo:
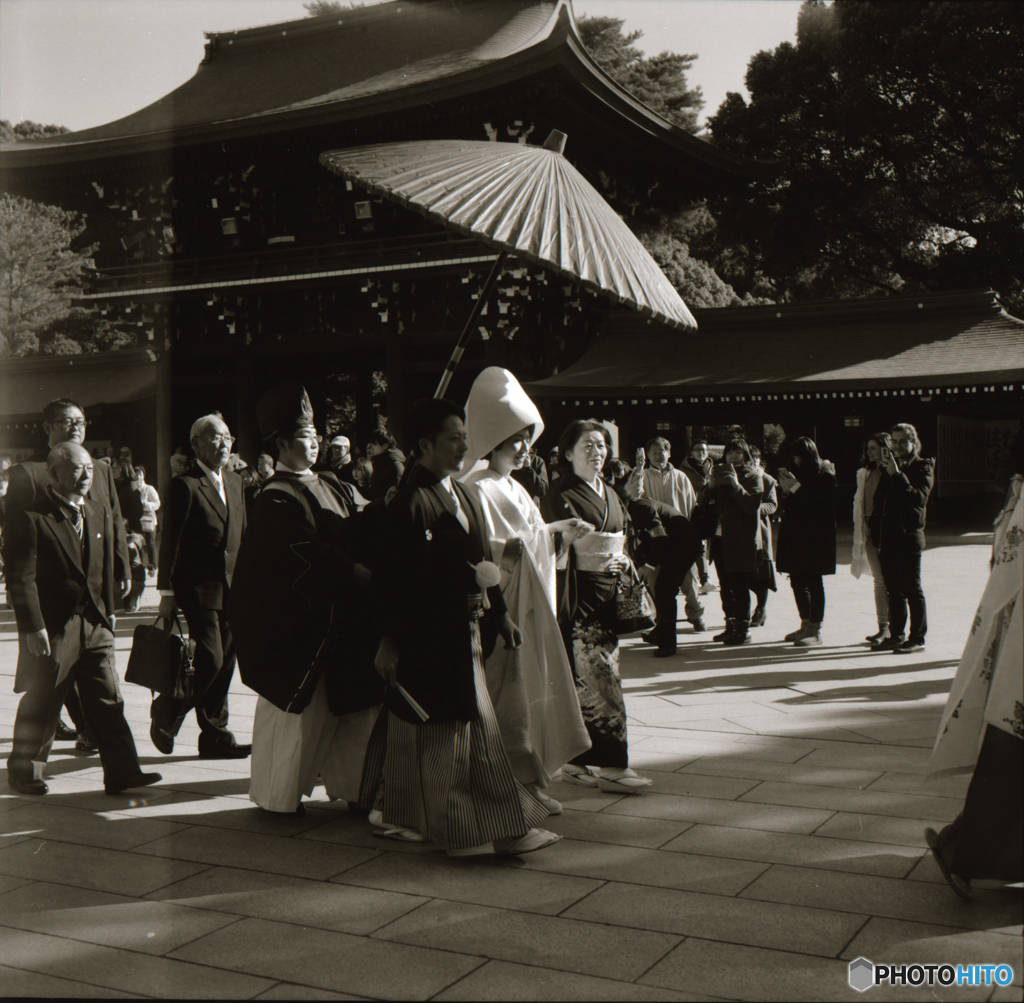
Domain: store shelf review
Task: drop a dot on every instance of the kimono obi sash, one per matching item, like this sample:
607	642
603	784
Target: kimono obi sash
596	551
475	605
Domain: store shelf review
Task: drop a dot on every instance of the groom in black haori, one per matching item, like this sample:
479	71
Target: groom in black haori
300	610
446	777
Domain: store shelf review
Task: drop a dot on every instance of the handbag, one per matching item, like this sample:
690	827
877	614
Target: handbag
161	660
634	609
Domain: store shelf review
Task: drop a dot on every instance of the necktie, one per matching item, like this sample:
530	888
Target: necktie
76	519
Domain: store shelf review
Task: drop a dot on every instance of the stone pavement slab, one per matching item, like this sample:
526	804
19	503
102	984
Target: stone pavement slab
792	773
329	960
291	991
544	941
796	848
884	940
481	881
289	899
26	985
45	820
917	901
101	918
120	872
648	867
720	917
502	980
258	852
125	971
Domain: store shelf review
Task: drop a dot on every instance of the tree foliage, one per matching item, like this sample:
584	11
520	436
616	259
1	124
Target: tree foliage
317	8
659	81
28	130
40	273
898	128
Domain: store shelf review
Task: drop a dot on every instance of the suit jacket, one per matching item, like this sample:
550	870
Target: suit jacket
51	571
30	480
200	541
294	587
421	585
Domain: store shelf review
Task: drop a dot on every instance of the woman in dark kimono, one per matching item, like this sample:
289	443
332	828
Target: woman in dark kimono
587	576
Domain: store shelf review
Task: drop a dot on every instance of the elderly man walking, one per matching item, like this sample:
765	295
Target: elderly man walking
902	498
64	421
203	527
60	556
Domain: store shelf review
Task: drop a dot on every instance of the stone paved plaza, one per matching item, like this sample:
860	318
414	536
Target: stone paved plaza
782	839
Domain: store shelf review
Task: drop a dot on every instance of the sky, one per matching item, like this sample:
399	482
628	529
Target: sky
82	63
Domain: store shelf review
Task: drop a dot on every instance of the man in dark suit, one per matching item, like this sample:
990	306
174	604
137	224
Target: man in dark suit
60	559
64	421
203	526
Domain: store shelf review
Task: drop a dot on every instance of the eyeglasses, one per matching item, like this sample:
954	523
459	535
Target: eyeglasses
220	440
70	423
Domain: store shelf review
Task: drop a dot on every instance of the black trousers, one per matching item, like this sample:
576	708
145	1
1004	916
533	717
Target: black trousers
734	585
673	556
214	666
901	570
987	834
85	649
809	593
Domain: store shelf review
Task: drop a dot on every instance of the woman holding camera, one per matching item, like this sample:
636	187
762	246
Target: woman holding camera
807	536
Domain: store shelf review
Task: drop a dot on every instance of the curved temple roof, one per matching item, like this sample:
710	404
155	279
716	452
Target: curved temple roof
898	341
364	62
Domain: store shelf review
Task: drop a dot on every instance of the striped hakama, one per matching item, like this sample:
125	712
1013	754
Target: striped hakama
450	780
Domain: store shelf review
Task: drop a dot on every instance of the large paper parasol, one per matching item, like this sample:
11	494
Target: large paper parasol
525	200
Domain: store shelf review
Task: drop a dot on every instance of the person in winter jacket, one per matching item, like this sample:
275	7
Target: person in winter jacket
807	536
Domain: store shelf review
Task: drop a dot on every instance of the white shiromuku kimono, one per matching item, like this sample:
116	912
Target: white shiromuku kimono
989	685
532	688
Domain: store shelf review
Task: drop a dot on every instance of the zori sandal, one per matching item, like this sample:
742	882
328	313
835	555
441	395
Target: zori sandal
535	839
962	886
627	782
584	778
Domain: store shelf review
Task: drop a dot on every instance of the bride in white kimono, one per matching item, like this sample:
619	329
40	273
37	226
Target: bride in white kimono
531	687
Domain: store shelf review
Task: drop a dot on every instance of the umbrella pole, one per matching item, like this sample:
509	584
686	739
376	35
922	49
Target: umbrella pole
467	331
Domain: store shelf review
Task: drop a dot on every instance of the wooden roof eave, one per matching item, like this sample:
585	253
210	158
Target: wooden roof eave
560	49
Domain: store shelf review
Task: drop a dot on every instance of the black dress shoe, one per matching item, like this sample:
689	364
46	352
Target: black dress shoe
27	785
226	752
649	637
86	746
164	743
139	780
664	652
64	733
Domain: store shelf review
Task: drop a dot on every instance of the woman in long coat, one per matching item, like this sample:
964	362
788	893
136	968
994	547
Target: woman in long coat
807	536
735	488
585	613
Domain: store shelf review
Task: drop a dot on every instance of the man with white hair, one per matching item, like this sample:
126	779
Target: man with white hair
203	527
65	421
59	566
